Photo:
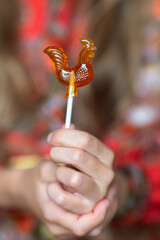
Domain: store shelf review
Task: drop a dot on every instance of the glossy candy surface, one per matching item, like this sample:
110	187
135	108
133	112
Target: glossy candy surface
82	73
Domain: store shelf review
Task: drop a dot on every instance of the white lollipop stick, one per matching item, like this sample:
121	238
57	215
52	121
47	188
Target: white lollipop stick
69	112
70	94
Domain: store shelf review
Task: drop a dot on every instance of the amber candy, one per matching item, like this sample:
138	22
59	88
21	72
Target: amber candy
77	76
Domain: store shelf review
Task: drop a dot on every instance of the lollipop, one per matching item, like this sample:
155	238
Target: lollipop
72	77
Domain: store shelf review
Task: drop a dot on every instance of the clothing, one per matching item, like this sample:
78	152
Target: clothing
136	143
139	149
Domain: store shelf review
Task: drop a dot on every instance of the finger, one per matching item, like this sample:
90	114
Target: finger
109	216
113	204
86	163
87	222
78	225
80	182
69	201
113	199
46	170
82	140
52	213
80	159
112	212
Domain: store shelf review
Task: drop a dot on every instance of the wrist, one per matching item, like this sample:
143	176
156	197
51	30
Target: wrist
11	188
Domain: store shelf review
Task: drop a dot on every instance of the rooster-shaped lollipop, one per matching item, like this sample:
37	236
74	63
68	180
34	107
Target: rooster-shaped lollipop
73	77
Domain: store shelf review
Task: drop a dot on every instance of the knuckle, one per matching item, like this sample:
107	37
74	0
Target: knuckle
78	156
76	180
111	176
60	199
58	196
46	171
108	176
86	140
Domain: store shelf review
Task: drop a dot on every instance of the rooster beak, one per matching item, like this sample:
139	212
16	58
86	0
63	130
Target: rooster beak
93	48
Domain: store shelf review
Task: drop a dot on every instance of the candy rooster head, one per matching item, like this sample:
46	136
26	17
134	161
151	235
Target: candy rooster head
89	44
83	71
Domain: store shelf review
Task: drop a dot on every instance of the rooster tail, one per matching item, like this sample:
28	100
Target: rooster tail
58	57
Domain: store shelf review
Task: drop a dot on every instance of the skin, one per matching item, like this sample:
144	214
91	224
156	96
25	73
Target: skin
94	161
88	155
69	201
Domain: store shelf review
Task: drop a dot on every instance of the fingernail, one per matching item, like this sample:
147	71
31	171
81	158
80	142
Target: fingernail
49	138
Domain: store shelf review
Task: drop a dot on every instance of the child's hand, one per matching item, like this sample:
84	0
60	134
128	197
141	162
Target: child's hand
35	198
92	158
60	222
35	182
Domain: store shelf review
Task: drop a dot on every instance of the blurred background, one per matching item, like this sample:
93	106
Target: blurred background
121	105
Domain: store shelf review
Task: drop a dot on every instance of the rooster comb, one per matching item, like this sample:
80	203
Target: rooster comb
86	42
